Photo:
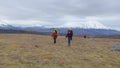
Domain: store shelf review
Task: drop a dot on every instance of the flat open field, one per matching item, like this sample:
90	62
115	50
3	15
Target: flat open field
38	51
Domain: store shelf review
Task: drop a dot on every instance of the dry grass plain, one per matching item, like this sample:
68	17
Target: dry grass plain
38	51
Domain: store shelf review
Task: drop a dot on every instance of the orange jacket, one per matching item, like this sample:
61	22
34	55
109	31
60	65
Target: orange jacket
54	34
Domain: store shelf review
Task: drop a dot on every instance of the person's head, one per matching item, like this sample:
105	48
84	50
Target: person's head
55	31
69	31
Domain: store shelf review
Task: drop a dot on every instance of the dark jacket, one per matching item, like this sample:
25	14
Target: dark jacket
70	34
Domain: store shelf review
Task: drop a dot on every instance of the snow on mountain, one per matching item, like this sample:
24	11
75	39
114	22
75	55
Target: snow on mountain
6	26
86	25
87	28
3	25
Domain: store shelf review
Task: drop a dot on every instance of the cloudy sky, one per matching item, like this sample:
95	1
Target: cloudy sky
59	12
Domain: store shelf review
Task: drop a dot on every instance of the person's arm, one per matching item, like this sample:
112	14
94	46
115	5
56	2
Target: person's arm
72	33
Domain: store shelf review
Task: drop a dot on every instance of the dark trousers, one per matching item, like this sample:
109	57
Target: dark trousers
69	41
54	40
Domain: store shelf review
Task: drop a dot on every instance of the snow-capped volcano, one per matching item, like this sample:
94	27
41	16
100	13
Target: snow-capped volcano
6	26
87	28
86	25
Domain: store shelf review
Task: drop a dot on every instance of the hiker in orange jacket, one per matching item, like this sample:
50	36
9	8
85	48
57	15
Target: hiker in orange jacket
54	35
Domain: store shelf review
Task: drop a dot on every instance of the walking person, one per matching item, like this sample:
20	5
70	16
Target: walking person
54	35
69	36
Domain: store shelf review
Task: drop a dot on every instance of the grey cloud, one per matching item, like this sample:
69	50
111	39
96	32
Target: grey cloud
28	9
54	10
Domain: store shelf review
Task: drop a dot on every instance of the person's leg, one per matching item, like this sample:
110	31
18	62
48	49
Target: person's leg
54	40
69	39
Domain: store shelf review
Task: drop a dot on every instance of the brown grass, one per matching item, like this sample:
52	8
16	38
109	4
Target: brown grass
38	51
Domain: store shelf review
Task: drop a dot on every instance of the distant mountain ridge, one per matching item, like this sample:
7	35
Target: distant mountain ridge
86	25
4	28
77	31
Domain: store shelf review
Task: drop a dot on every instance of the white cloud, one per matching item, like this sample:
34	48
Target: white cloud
60	12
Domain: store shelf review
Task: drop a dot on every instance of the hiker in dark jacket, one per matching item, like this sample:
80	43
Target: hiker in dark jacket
69	36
